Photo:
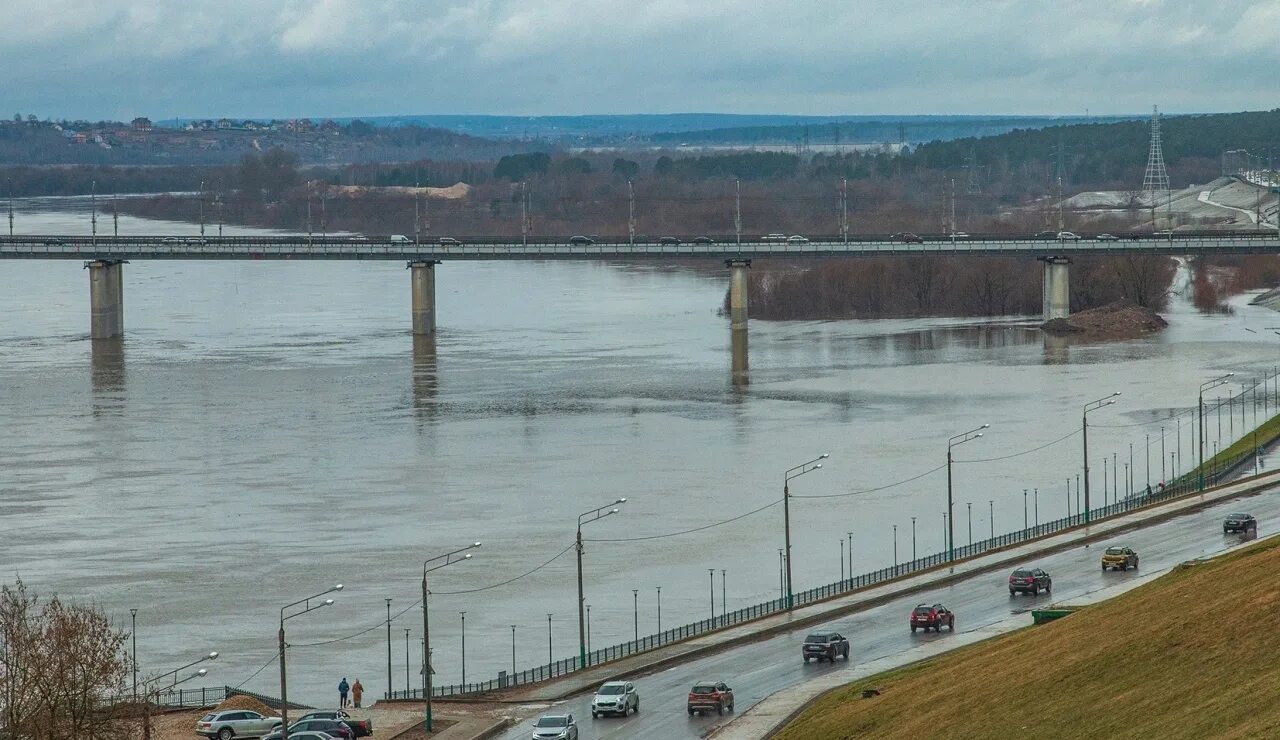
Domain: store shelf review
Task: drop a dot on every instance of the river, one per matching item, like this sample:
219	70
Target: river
266	429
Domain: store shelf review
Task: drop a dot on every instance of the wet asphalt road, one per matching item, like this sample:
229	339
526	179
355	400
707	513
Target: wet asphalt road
755	671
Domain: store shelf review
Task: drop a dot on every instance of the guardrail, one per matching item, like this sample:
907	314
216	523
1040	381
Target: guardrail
1186	484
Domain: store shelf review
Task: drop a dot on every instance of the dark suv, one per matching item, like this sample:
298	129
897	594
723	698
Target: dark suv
1030	580
824	645
1239	523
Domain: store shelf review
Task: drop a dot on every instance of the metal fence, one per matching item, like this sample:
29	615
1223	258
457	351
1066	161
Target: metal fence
204	696
1188	483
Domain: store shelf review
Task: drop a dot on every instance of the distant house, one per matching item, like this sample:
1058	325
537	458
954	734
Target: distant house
80	137
224	124
141	123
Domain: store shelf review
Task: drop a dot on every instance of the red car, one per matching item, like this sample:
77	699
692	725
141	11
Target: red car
709	695
927	617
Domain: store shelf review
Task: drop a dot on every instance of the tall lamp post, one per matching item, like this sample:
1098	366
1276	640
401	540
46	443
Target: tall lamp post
1208	384
389	650
428	566
956	441
133	634
155	688
1084	427
795	472
594	515
307	606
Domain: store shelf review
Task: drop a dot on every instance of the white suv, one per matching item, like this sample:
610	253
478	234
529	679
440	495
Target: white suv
615	697
236	723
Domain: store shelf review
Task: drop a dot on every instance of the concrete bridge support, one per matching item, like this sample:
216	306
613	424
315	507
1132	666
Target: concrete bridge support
422	277
1057	288
738	318
106	298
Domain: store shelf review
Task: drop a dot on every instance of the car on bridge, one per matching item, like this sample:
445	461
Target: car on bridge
448	241
774	238
927	617
1119	558
1107	238
581	240
669	240
399	239
704	240
797	239
615	697
1068	236
708	695
906	237
1031	581
555	727
1239	523
1045	235
821	646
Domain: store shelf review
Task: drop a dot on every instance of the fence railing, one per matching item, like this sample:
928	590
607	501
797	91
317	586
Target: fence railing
204	696
1188	483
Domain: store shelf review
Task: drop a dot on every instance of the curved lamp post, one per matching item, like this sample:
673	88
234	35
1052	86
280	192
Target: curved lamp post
1084	427
440	561
795	472
594	515
956	441
155	689
307	606
1208	384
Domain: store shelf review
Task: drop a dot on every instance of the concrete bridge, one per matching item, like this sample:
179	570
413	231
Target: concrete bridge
104	257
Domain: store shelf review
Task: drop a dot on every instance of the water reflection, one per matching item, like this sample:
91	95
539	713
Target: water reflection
425	375
106	370
1056	349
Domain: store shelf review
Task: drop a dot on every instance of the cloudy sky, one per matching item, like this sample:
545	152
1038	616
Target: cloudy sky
280	58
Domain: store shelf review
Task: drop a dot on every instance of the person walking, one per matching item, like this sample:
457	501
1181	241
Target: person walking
343	688
357	691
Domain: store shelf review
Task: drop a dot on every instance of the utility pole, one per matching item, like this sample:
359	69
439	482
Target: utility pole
524	214
115	217
737	216
417	216
202	207
631	212
844	209
953	207
406	637
93	202
426	206
11	208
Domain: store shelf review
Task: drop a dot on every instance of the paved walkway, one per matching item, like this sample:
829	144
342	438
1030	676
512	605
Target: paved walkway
770	715
653	660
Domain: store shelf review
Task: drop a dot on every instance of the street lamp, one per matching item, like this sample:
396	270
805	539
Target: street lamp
635	612
595	516
133	633
441	561
155	688
1084	426
284	684
1207	385
795	472
955	441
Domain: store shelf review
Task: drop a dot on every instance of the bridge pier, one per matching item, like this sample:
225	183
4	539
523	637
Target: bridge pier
1057	288
422	278
106	298
738	319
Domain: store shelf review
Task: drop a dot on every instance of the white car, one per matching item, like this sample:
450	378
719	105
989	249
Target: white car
615	697
236	723
555	727
1067	236
797	239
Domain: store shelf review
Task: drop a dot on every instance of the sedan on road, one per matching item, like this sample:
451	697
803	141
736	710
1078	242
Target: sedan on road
1239	523
669	240
615	697
926	617
1067	236
1119	558
555	727
1107	238
907	237
335	727
821	646
797	239
703	240
1031	581
581	240
708	695
236	723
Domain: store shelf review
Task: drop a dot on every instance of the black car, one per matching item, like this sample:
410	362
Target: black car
1046	235
669	240
703	240
907	237
334	727
824	646
1031	581
1239	523
584	240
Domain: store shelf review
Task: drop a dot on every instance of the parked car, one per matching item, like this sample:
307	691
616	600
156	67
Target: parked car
704	240
906	237
708	695
1239	523
1030	580
615	697
1107	238
1119	558
824	645
774	238
555	726
236	723
448	241
669	240
925	617
334	727
1068	236
361	727
797	239
582	240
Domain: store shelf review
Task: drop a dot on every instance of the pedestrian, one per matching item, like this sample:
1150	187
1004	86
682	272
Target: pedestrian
357	691
343	688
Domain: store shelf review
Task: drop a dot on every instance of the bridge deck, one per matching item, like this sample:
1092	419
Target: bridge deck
353	248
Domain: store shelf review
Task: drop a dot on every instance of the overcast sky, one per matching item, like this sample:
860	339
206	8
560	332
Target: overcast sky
265	58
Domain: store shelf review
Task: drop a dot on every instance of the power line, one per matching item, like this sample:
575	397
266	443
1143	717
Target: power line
689	531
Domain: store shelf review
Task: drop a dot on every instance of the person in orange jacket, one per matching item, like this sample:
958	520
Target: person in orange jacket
357	691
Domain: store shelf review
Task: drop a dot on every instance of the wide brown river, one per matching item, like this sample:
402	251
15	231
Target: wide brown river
266	429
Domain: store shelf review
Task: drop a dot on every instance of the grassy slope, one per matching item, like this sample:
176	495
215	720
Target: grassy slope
1195	654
